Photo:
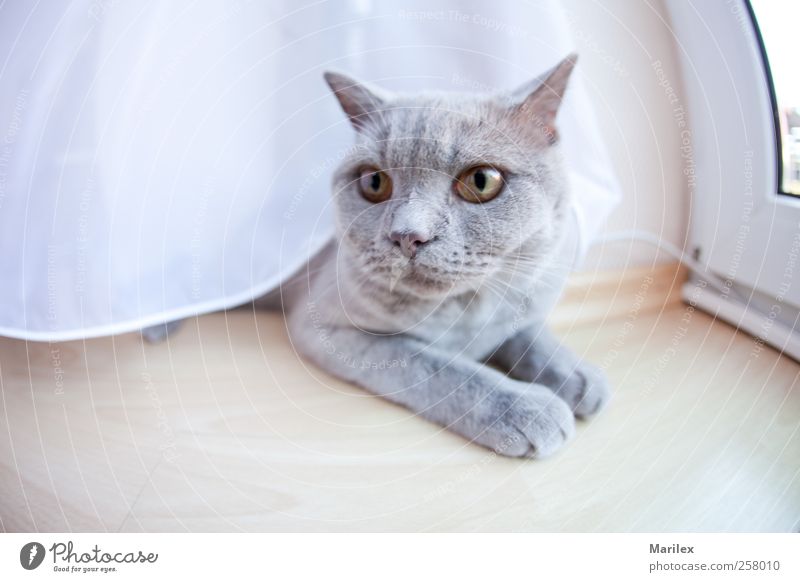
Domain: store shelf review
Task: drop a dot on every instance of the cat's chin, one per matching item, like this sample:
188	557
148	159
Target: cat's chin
422	283
415	277
427	286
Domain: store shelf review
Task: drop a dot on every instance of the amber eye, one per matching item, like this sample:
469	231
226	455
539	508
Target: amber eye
375	186
479	184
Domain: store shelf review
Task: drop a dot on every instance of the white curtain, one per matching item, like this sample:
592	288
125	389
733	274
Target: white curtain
162	159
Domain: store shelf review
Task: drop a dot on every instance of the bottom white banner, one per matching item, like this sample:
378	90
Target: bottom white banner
400	556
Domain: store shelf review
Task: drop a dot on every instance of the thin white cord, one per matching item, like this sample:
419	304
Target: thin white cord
700	269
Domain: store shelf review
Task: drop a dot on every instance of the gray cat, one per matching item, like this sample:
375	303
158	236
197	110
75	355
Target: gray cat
451	229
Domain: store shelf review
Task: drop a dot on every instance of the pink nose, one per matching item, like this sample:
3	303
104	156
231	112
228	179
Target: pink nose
408	241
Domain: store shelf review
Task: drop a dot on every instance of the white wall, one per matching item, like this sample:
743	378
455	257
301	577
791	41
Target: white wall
619	41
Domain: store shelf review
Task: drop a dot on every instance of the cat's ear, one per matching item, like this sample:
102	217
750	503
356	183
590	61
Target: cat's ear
361	102
536	103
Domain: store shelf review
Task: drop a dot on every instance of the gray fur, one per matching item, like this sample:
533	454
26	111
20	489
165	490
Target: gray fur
420	330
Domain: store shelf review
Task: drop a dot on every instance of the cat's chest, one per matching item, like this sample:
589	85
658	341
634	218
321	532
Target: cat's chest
473	325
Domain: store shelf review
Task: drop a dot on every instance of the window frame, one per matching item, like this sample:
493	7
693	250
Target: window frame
742	234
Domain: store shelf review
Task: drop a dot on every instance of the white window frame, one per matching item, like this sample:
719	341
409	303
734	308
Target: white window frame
741	229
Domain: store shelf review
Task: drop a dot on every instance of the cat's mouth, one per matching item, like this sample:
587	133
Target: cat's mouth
419	277
425	280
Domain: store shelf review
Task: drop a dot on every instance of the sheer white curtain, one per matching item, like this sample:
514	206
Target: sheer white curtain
161	159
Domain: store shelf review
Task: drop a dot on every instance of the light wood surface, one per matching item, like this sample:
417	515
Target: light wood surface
223	427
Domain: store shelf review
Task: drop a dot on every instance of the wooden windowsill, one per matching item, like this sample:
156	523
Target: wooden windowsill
224	428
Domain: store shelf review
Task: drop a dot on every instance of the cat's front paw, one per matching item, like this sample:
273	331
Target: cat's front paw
585	389
532	423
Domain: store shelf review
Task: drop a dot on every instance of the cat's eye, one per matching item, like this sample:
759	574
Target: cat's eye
479	184
375	186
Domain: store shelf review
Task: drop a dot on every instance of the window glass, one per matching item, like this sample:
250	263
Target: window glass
778	23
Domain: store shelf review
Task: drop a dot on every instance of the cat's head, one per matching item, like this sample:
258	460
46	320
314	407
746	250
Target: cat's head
444	189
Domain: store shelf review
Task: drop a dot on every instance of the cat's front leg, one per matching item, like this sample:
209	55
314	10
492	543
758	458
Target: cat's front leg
512	418
534	354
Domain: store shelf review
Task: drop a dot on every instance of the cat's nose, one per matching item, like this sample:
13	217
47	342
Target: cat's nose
408	241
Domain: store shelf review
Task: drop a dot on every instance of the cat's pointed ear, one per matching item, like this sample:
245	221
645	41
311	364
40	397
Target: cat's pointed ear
536	103
361	102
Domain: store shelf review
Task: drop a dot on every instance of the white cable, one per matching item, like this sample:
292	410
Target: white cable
699	268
